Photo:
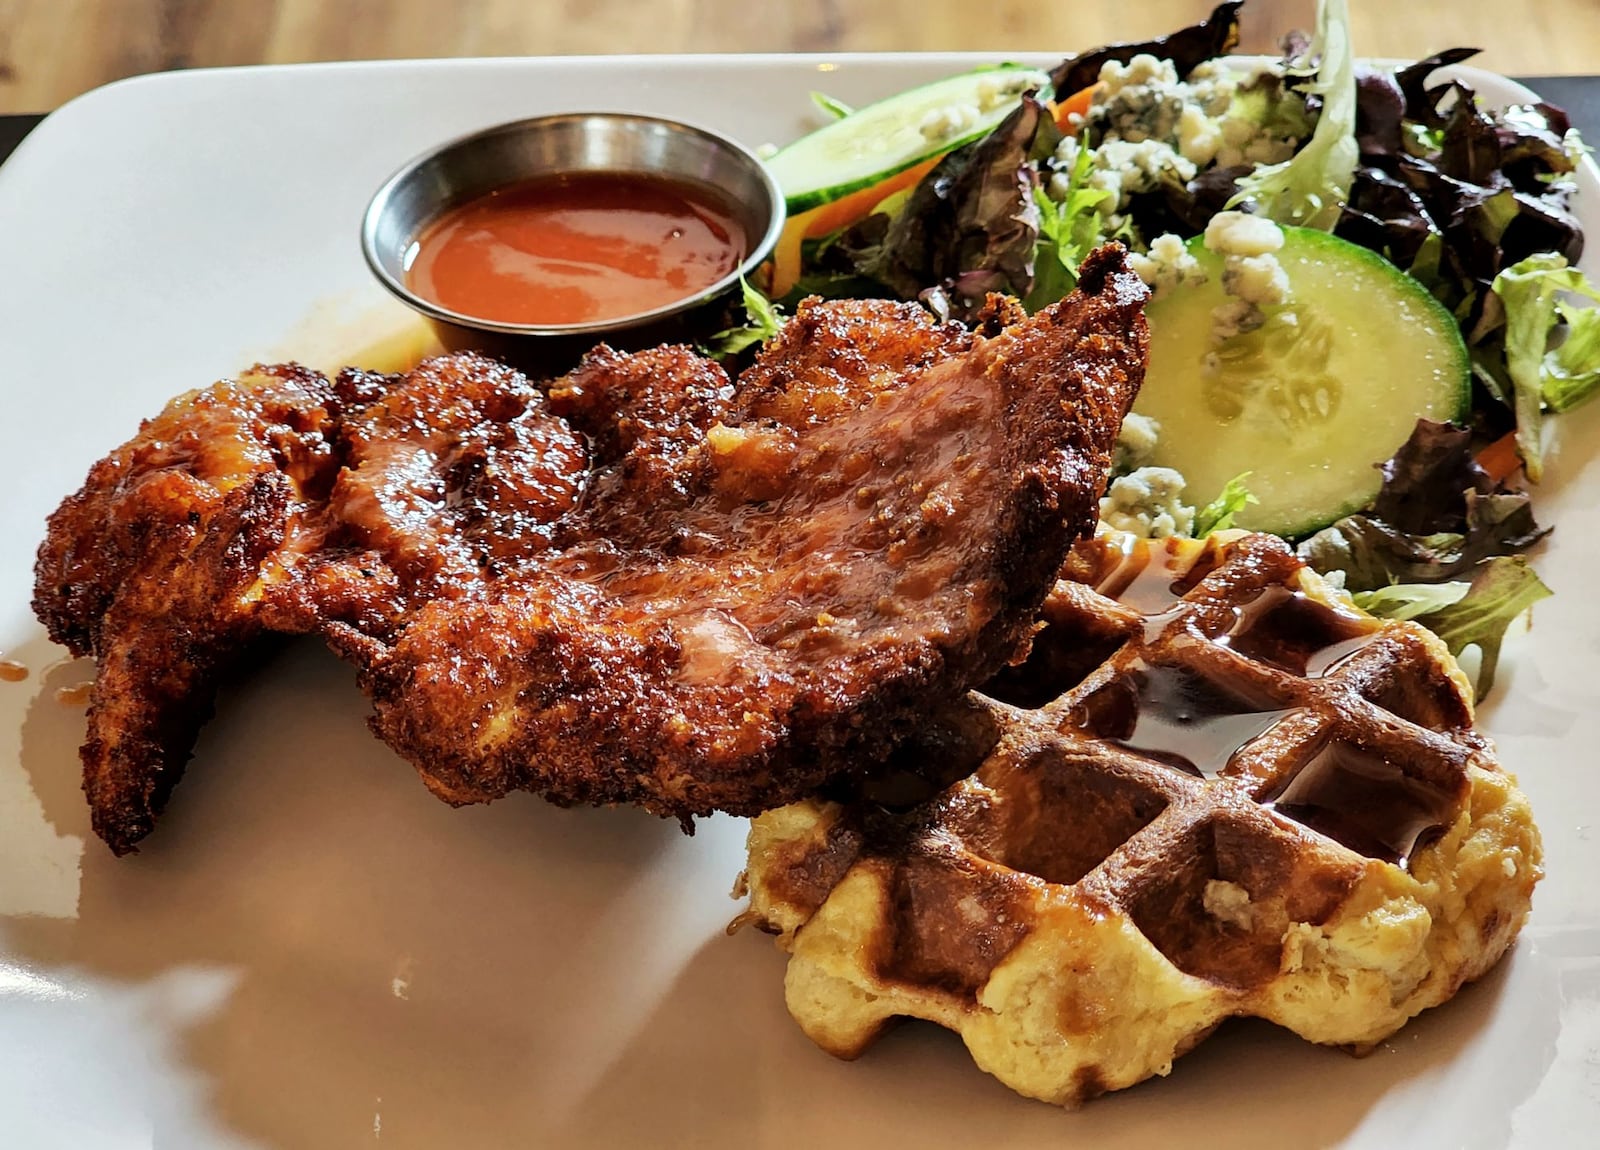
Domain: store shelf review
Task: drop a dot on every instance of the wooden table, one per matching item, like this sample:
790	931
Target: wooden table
51	50
1579	95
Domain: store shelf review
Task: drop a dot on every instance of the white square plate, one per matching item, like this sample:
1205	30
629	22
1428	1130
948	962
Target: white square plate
312	951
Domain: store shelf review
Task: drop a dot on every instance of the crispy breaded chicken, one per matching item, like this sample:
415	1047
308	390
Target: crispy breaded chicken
658	586
157	567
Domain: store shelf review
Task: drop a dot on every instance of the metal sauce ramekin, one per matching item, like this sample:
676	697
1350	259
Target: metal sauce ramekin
475	165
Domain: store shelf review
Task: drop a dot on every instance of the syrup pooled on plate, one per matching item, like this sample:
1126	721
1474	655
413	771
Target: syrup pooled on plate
577	248
12	671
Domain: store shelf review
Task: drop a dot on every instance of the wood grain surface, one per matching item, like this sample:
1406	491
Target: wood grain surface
51	50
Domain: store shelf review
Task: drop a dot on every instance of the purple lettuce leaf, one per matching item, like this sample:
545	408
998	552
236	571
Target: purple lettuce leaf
1380	110
1486	184
1422	102
969	227
1437	514
1216	35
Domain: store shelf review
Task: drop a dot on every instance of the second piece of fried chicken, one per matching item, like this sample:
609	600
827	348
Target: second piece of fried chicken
656	586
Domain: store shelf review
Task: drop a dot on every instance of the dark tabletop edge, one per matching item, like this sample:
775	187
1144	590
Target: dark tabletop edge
12	129
1579	95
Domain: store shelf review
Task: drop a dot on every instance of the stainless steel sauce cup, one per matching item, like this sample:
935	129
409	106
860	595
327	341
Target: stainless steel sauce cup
474	165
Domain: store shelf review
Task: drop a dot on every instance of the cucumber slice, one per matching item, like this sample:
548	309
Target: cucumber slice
874	142
1311	402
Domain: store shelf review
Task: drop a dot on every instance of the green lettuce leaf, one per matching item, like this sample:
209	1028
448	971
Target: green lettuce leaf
1502	589
764	322
1068	231
1572	370
1311	187
1542	377
1218	514
1408	600
1054	275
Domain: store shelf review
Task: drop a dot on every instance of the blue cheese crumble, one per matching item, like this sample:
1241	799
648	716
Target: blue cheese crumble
1143	500
1136	443
957	119
1251	273
1148	503
1153	128
1167	265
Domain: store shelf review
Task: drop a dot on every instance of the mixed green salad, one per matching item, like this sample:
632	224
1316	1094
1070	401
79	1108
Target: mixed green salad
1365	293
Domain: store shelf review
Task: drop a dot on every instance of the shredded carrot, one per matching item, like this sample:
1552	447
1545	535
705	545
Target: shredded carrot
1500	458
1076	104
848	209
832	216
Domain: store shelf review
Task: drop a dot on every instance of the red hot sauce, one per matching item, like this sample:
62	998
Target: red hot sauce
577	248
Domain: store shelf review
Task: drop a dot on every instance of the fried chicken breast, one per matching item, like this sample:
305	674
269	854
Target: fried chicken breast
645	583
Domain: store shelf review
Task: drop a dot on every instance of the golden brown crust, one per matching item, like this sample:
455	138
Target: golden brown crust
654	587
154	567
748	605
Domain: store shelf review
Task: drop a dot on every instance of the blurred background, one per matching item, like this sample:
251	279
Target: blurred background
52	50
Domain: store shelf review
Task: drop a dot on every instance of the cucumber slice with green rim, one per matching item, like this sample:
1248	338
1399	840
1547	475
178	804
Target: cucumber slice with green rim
874	142
1313	400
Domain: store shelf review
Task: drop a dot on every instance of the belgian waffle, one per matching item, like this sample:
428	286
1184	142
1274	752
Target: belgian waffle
1213	788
